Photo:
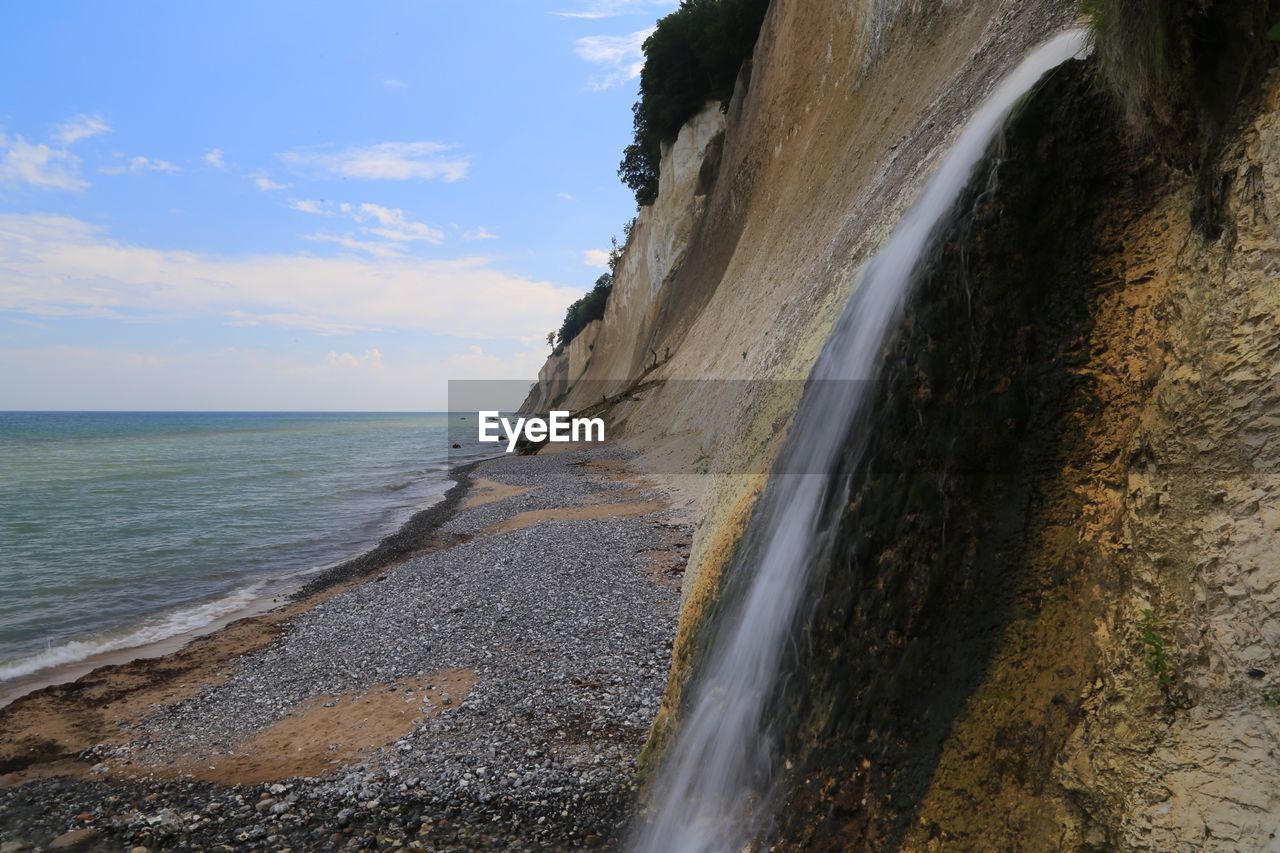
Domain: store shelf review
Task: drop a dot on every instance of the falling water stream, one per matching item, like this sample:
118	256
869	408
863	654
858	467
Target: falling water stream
714	780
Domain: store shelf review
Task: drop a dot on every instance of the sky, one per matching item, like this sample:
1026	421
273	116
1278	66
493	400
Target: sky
302	205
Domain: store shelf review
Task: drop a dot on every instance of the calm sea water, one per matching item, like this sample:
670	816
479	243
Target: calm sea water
118	530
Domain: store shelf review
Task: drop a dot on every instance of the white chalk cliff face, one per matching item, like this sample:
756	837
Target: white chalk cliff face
764	216
658	244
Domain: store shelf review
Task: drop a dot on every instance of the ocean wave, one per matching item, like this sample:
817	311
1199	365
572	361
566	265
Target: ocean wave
164	627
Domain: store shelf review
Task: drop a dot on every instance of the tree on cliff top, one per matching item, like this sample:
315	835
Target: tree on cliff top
584	311
693	56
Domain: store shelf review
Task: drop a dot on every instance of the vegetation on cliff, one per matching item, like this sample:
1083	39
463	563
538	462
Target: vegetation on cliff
1178	68
583	312
693	56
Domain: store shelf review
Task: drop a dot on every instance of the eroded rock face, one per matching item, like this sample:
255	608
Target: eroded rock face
941	670
561	372
659	241
1086	392
1197	761
1053	624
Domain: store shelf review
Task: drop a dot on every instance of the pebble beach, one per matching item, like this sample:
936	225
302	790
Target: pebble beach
487	682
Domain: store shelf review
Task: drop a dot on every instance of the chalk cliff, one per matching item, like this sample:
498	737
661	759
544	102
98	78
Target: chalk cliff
1061	630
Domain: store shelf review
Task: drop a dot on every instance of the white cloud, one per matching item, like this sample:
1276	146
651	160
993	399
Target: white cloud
394	83
390	225
214	158
565	197
138	165
80	127
267	185
477	235
317	208
49	167
376	248
386	161
598	258
621	57
372	359
597	9
54	265
39	166
394	225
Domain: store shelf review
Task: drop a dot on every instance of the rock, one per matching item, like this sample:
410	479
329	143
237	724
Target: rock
166	820
73	839
16	846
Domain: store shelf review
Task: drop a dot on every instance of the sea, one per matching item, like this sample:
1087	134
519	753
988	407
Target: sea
121	532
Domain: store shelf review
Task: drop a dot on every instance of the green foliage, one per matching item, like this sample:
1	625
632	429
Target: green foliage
1153	644
584	311
615	255
692	57
1132	40
1179	68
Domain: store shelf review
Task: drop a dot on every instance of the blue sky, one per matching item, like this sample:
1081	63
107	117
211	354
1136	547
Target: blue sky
289	205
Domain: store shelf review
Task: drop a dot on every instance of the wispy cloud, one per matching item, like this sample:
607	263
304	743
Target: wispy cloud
565	197
621	58
48	167
597	258
213	157
597	9
39	166
54	265
386	161
138	165
477	235
394	83
315	208
267	185
394	225
391	225
80	127
374	248
371	360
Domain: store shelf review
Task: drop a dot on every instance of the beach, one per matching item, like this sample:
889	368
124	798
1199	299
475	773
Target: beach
486	677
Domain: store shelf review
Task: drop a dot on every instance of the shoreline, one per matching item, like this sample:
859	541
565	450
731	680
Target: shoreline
411	537
493	666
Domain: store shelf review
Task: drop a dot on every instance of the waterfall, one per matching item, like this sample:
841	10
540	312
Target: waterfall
714	780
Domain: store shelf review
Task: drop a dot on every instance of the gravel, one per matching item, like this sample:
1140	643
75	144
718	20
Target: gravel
567	631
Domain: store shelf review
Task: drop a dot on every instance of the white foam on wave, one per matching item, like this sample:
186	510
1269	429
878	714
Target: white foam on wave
161	628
